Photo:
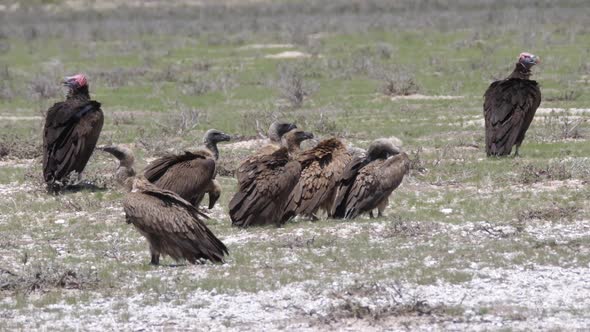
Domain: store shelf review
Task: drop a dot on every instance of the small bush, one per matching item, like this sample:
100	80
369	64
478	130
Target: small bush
292	86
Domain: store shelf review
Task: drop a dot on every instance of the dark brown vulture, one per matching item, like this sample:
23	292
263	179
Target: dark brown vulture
275	133
321	167
264	184
71	130
367	182
191	174
171	225
509	108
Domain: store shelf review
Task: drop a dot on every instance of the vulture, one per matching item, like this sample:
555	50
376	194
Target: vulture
368	181
321	167
126	158
510	106
191	174
264	184
70	133
171	225
275	133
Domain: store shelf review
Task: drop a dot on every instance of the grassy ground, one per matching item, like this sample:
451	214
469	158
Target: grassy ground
468	242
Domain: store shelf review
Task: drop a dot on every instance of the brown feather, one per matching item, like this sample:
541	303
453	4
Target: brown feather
171	225
321	166
70	133
367	182
509	108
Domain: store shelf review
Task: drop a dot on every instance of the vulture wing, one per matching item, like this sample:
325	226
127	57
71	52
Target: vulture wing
345	184
70	134
265	186
321	167
172	225
373	183
509	108
188	175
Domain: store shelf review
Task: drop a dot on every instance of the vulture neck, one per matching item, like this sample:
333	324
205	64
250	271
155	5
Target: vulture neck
79	93
213	148
274	136
521	71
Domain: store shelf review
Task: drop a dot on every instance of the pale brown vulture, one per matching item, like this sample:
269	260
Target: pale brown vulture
126	158
191	174
321	167
367	182
264	184
509	108
171	225
71	130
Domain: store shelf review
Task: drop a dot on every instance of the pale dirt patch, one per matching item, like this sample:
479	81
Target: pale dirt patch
20	118
418	96
265	46
288	55
17	163
577	111
247	145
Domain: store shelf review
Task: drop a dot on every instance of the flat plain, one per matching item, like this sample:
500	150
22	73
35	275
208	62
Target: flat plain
467	243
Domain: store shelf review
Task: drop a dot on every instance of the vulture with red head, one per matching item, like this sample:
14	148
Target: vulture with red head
191	175
321	167
264	184
509	107
368	181
71	130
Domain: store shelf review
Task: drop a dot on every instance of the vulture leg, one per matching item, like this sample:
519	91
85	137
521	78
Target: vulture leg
371	214
155	259
516	154
379	213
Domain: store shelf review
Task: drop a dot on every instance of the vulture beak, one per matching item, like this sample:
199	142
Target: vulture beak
307	135
225	138
536	59
70	82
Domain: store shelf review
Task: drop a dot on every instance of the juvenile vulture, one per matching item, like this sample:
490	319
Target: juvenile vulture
71	130
126	159
191	174
275	133
367	182
265	182
321	167
510	106
171	225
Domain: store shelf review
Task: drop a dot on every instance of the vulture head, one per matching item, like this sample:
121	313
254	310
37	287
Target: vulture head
292	140
214	136
76	82
126	160
528	60
278	129
382	149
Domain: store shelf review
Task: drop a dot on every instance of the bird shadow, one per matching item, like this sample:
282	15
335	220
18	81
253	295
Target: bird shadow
78	187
